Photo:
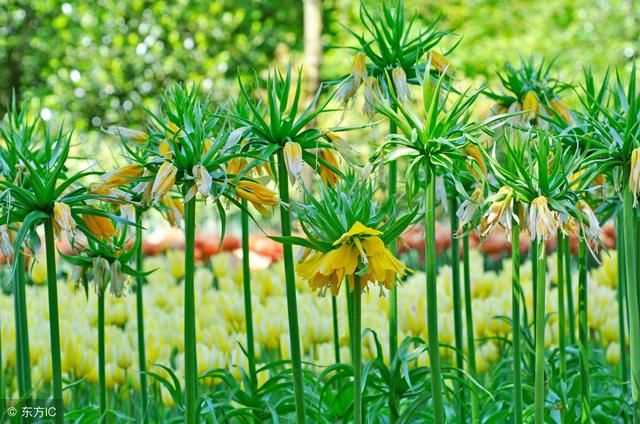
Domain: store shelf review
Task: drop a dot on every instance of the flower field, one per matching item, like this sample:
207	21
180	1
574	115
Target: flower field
394	245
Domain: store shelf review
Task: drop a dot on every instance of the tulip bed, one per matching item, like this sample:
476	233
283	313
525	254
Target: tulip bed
472	264
222	333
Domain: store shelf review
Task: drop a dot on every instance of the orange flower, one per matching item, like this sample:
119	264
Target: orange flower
440	63
123	175
257	194
99	226
329	176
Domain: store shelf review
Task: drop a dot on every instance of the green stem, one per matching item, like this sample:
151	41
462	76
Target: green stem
632	298
533	251
102	376
142	358
290	281
468	314
622	302
349	317
583	330
357	364
516	288
336	333
539	328
562	342
569	281
190	355
393	294
54	320
23	366
246	283
432	301
457	305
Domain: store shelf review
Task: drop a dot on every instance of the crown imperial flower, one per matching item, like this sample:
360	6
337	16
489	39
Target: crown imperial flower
293	160
359	248
165	179
543	222
63	222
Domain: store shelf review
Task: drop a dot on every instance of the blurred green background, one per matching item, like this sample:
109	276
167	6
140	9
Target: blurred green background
96	63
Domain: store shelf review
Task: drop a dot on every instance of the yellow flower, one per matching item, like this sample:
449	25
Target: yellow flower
123	175
165	179
164	149
400	83
500	212
39	269
329	176
100	226
634	175
440	63
136	136
359	245
202	183
173	130
359	68
143	188
561	109
575	178
543	223
63	222
173	210
472	151
293	160
345	149
175	263
236	165
103	189
530	104
206	145
257	194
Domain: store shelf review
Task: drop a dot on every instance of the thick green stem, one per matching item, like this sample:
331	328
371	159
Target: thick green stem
516	288
457	305
102	376
336	332
349	317
569	281
142	358
246	283
393	294
562	342
468	314
583	330
292	304
622	302
632	298
54	320
190	355
432	301
357	351
23	366
539	326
